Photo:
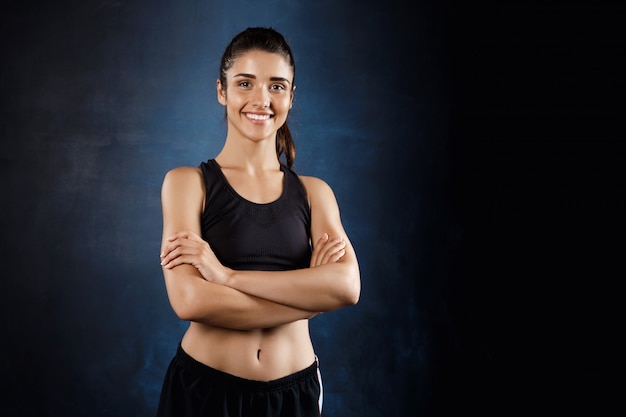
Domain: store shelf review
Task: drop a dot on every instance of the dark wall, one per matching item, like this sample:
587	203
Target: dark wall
100	98
538	149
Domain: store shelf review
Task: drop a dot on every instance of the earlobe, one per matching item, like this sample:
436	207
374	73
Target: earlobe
221	93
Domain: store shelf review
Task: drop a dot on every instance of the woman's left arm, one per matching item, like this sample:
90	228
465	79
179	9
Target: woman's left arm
325	286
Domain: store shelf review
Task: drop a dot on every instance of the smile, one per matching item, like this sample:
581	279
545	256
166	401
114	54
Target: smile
258	116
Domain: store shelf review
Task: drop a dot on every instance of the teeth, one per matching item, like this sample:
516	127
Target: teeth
258	116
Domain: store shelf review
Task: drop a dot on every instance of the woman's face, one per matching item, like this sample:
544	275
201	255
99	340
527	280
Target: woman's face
258	94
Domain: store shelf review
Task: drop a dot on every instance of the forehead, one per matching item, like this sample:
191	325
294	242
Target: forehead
261	64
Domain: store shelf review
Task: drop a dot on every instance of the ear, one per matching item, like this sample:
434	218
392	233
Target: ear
221	92
293	90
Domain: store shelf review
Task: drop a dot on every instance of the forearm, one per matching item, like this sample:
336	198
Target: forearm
322	288
194	299
240	311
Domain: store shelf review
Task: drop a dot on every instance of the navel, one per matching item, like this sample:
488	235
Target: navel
258	354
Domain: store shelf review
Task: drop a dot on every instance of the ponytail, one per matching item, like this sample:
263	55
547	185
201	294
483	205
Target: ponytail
285	145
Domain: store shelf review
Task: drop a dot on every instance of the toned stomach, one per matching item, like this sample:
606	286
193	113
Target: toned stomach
262	355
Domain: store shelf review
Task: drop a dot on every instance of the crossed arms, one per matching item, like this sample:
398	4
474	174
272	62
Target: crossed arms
201	289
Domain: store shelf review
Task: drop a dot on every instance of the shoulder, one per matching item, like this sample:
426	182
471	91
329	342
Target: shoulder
182	174
183	181
317	189
313	183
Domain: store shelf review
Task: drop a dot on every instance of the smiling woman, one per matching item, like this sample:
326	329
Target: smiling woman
238	255
260	95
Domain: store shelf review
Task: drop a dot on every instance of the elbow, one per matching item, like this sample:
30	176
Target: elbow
352	287
191	310
183	303
354	294
185	314
182	309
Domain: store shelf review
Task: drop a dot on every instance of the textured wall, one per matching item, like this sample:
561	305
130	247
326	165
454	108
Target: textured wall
100	98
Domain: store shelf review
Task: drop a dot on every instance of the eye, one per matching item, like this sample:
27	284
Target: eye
244	84
277	87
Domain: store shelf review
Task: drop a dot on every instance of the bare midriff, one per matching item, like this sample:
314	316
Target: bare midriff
262	355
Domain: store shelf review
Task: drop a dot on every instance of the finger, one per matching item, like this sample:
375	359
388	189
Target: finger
317	248
329	251
333	246
184	255
168	255
171	246
336	256
173	241
179	251
181	239
179	260
194	237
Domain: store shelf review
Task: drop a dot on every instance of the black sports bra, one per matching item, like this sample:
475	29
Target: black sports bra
251	236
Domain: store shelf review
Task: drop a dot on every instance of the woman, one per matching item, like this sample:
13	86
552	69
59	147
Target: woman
236	253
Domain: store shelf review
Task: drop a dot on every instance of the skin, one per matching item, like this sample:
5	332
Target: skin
253	324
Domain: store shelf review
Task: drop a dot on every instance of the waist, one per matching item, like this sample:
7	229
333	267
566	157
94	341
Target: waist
261	355
225	379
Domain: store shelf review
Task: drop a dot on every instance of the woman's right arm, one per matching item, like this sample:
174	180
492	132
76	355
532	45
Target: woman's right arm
192	297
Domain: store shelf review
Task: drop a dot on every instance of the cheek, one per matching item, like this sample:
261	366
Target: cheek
284	104
234	103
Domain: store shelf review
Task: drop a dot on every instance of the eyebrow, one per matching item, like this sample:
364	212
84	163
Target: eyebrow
244	75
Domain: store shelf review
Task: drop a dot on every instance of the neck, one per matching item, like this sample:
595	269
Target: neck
249	155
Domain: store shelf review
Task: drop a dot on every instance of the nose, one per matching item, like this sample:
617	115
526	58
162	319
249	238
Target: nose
261	98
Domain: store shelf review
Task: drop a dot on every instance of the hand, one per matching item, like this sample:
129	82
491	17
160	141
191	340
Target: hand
189	248
327	250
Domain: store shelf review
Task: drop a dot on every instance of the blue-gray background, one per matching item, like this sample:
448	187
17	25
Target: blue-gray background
404	111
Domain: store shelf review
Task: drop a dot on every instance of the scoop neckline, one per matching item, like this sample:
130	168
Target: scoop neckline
240	197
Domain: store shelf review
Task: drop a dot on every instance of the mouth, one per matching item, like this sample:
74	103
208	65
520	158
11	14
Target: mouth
258	117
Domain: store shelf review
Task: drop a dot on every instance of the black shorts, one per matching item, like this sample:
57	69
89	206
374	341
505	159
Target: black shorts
193	389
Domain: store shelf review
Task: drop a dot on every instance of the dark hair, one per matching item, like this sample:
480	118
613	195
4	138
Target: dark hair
267	40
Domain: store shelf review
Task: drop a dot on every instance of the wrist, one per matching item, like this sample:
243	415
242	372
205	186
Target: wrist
228	275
